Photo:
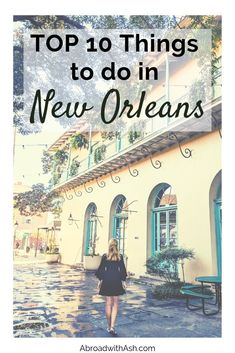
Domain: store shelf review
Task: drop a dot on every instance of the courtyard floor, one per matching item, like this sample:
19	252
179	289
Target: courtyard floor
60	301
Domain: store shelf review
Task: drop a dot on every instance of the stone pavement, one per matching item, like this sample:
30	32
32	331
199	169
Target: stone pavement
60	301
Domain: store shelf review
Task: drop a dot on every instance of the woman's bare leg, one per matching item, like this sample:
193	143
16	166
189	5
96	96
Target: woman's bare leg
108	310
114	310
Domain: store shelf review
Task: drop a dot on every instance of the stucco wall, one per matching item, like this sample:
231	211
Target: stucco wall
191	179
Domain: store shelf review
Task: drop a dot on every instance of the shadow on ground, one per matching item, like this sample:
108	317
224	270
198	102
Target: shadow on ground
59	301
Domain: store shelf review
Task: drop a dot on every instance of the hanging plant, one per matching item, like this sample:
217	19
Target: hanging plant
74	167
133	135
79	141
197	90
110	135
47	162
99	154
56	178
60	157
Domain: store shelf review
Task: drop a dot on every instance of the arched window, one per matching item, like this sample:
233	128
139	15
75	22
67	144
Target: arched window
164	218
90	228
119	216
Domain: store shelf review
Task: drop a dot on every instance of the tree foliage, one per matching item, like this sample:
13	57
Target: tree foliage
37	201
66	22
98	22
214	24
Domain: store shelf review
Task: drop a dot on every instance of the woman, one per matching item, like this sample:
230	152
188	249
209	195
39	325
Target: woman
112	276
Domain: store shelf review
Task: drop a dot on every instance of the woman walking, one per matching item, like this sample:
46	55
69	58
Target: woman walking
112	276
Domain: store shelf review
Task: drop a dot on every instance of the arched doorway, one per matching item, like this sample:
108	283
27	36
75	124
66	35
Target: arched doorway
119	217
216	202
163	210
90	228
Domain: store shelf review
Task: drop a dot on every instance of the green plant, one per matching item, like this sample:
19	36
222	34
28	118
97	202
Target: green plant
92	247
214	24
172	290
74	167
53	163
59	160
47	162
165	263
53	251
109	135
56	178
133	135
60	157
79	141
168	290
197	91
99	154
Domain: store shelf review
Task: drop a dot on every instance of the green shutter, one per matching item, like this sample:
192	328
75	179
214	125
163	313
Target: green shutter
218	223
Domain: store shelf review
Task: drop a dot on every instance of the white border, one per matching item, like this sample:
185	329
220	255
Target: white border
98	7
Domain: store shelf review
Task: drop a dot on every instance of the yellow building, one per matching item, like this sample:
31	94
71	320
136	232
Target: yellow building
150	190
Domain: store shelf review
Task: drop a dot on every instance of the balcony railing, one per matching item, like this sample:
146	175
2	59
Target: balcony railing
119	146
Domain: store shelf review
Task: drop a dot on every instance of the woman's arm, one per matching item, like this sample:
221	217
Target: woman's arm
99	272
123	269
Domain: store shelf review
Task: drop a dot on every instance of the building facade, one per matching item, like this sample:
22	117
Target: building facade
26	227
33	231
149	190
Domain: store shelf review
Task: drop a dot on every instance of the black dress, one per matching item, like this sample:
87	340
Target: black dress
111	273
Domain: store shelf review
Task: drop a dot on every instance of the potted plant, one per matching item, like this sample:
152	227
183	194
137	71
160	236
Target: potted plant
133	135
74	167
99	154
60	157
51	250
47	162
110	135
56	177
92	261
165	266
53	256
79	141
59	161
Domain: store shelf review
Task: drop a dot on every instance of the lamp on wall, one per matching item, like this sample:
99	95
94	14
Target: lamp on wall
71	220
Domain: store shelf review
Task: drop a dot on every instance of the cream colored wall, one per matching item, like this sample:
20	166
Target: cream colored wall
191	179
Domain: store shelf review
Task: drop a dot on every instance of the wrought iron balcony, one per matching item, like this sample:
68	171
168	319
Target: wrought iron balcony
124	152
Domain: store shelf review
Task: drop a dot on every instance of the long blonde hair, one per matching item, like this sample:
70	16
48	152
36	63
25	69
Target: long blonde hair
113	253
